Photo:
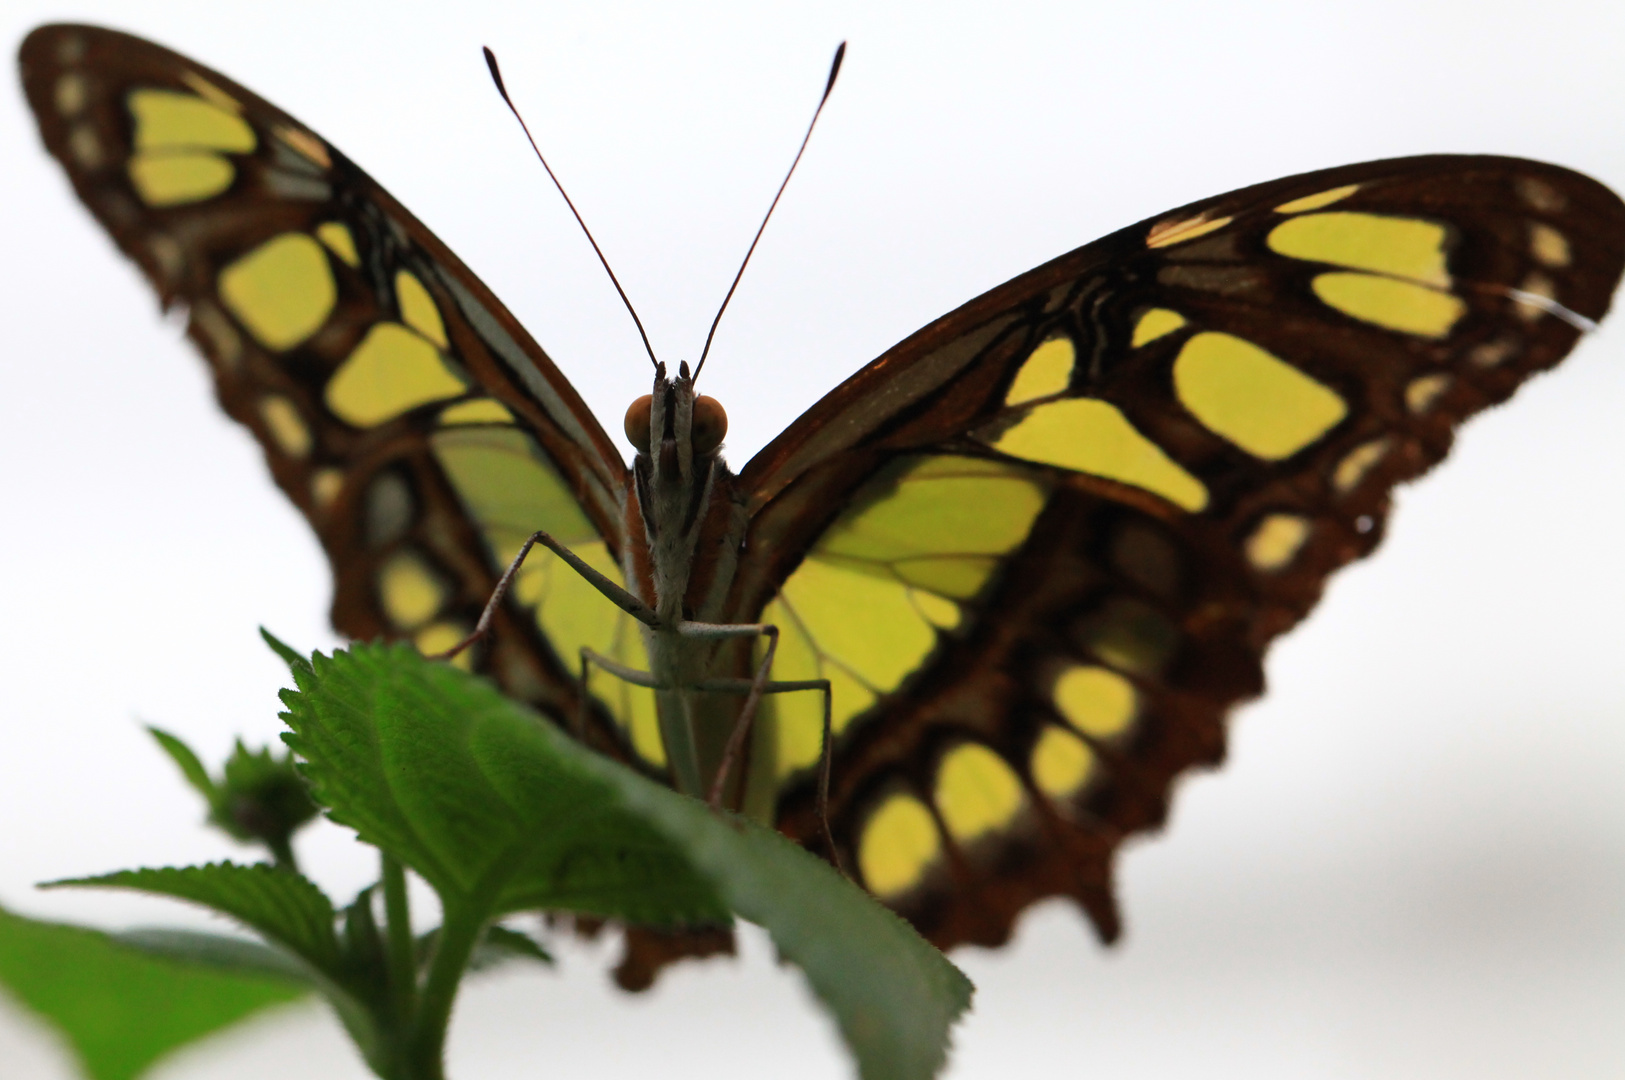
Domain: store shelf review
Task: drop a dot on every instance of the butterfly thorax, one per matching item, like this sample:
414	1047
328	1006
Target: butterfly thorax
684	530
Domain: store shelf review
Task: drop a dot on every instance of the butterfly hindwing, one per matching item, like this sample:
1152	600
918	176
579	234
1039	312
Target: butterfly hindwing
402	408
1044	542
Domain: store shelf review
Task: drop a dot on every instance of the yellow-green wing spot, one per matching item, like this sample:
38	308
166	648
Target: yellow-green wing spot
1318	200
1153	324
1061	763
478	411
288	429
866	606
418	308
174	179
392	371
166	119
178	140
1096	701
510	490
1422	391
1245	394
1358	464
339	240
1091	436
977	792
897	846
1389	303
282	291
410	593
1400	247
1045	373
1548	246
1276	540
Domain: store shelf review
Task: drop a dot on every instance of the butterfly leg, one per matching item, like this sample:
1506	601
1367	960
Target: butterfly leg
821	797
617	595
753	688
711	631
747	716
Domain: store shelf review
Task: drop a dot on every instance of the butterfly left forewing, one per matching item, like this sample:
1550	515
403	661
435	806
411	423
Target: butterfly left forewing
412	420
1041	546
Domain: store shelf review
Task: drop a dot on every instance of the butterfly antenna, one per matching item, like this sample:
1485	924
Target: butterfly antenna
834	70
496	77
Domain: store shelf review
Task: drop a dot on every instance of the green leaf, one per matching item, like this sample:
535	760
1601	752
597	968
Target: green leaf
475	792
498	947
282	906
288	653
893	994
218	951
454	780
190	766
119	1007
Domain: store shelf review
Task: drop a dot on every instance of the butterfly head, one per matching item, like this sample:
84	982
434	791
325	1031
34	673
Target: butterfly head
674	426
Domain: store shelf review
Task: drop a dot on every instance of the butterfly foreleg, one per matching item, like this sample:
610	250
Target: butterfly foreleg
615	594
747	686
620	671
753	697
758	686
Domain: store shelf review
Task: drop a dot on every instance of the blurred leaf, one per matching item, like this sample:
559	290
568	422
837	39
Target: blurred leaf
190	766
499	947
288	653
287	910
282	906
119	1007
219	951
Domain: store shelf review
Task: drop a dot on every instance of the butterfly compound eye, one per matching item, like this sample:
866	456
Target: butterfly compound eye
637	423
710	424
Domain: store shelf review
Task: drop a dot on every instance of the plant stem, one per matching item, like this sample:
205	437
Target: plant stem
403	968
455	942
282	851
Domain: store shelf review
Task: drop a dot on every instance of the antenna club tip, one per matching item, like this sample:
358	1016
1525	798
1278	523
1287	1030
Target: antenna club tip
835	67
496	72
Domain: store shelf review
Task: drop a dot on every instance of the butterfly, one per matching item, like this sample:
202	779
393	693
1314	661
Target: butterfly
1037	550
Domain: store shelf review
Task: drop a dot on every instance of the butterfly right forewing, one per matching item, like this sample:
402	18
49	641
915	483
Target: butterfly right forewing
1042	545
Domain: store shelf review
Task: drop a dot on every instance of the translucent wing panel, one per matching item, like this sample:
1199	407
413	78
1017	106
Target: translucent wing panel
873	598
510	489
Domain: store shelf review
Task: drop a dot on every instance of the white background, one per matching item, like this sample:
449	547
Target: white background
1414	864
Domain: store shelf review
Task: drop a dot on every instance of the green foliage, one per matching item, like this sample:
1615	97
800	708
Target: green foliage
500	811
221	951
258	798
119	1006
498	948
487	803
893	995
289	912
282	906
